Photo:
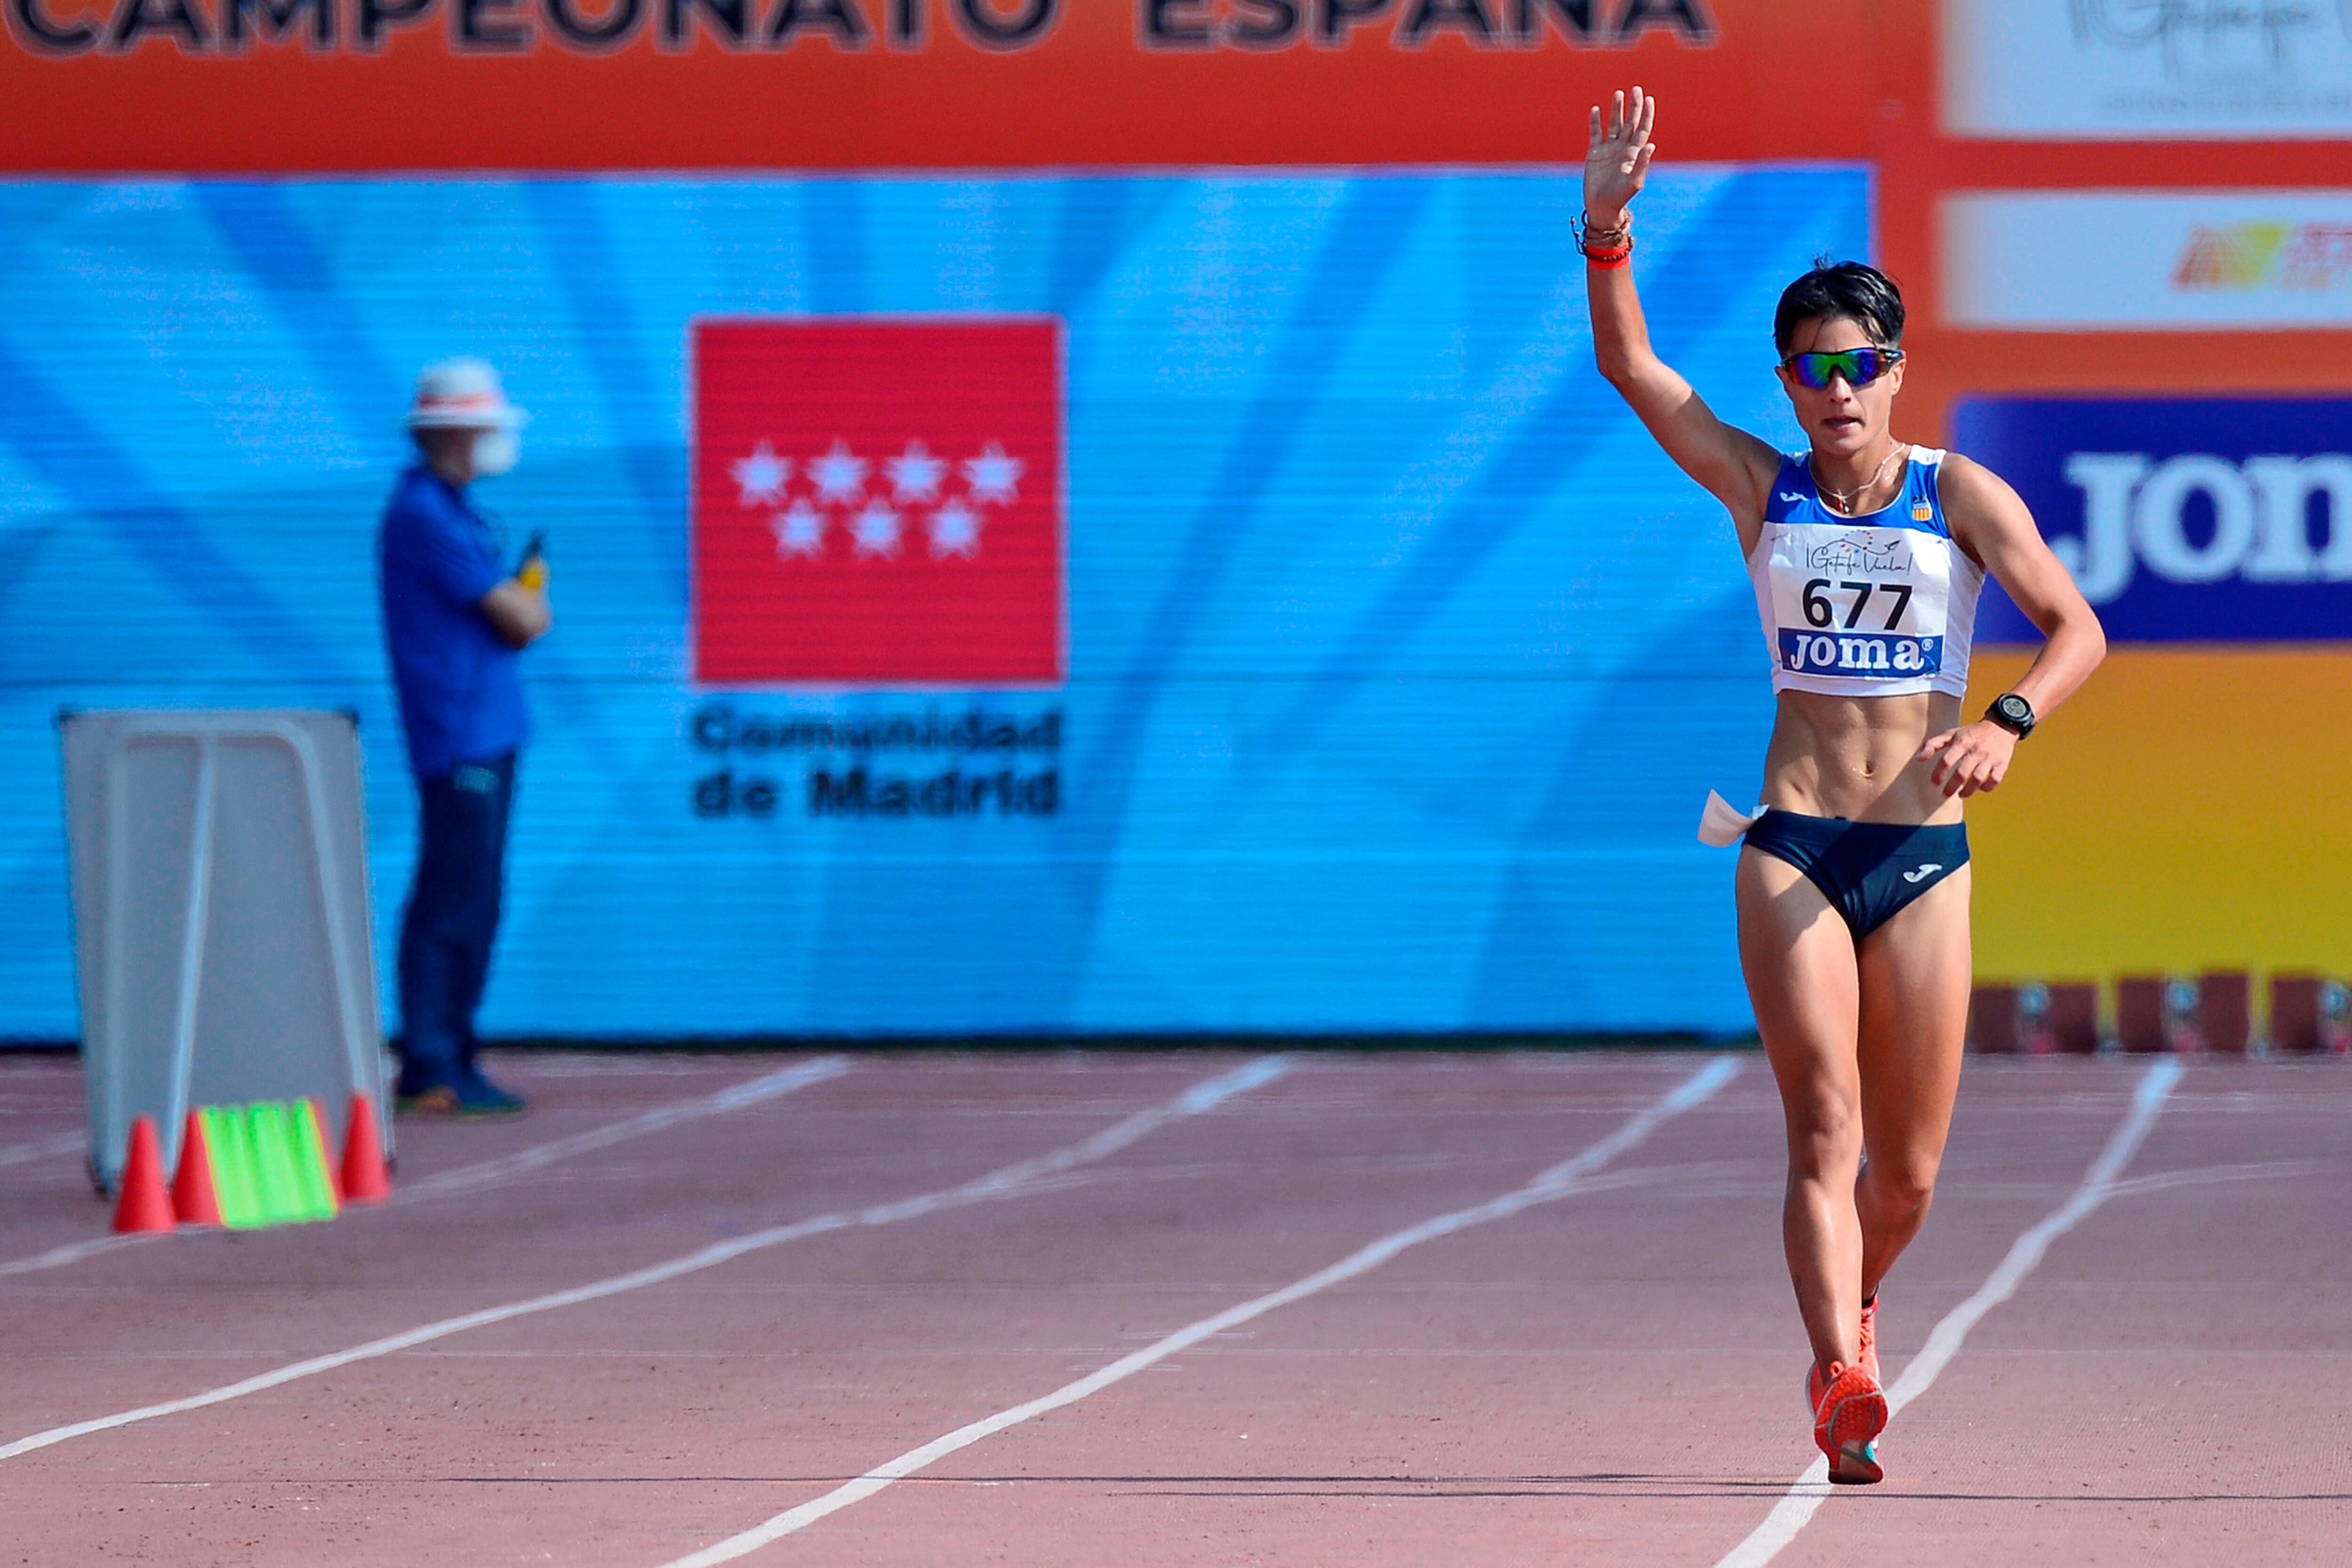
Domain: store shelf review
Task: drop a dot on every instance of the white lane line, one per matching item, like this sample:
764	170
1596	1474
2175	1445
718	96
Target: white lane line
1006	1183
45	1149
2208	1175
75	1251
467	1178
1561	1181
1796	1508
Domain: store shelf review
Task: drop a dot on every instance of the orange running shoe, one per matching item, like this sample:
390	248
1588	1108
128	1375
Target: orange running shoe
1866	1357
1849	1413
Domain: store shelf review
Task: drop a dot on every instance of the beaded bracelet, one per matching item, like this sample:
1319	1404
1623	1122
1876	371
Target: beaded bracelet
1604	246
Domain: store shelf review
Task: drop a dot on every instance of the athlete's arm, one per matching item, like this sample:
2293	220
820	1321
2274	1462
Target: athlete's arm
1735	466
1990	521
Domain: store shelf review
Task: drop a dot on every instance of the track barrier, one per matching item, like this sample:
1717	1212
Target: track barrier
2213	1013
2309	1016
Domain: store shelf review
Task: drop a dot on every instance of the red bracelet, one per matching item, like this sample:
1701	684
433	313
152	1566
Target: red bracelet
1616	242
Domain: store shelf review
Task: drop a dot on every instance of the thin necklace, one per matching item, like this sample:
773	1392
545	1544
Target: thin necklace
1845	499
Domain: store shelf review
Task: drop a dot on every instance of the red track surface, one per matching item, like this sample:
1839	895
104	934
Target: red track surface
1612	1377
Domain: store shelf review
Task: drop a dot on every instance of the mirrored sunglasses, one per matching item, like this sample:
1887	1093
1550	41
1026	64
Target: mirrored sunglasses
1859	366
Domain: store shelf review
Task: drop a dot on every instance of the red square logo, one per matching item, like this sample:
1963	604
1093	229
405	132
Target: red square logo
877	503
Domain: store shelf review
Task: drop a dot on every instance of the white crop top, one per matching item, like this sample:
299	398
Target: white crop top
1877	606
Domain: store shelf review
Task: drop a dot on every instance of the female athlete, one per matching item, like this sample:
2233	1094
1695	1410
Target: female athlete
1853	888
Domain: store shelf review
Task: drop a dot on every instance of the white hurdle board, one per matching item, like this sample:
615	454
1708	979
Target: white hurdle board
221	931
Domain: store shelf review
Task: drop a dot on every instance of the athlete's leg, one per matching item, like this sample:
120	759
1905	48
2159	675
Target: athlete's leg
1799	959
1915	1015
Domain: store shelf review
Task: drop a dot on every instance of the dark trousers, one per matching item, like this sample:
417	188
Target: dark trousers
452	918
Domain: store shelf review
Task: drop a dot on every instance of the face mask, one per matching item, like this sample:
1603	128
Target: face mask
495	452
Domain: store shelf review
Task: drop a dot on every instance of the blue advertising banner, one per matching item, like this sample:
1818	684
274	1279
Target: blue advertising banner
2183	520
1380	661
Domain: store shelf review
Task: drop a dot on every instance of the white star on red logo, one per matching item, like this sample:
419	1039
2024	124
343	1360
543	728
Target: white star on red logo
875	531
992	475
760	477
915	475
839	477
955	530
799	531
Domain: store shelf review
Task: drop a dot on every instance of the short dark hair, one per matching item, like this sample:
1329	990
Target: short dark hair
1854	290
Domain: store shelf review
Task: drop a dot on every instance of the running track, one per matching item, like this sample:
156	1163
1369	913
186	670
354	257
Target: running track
1130	1309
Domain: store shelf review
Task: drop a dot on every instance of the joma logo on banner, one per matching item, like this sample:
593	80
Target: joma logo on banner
589	26
2137	511
2191	519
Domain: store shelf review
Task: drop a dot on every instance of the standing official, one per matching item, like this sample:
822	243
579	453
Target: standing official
455	622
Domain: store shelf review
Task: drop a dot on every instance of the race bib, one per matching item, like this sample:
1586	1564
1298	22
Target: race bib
1864	604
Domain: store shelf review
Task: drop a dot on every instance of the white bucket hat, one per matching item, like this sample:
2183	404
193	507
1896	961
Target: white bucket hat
462	395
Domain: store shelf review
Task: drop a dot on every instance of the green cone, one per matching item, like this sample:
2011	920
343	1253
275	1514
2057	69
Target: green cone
310	1167
229	1140
274	1163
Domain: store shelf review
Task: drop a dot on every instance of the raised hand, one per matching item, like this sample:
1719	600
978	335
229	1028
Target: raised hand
1617	161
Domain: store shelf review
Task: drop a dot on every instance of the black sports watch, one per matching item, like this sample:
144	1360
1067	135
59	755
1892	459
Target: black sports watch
2012	713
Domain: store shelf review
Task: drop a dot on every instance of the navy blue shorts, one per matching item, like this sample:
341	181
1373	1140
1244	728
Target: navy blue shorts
1867	870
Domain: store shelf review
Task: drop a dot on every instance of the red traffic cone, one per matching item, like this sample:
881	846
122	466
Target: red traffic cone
194	1198
144	1205
366	1178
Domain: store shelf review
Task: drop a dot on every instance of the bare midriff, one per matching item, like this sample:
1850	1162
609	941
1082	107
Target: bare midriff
1858	757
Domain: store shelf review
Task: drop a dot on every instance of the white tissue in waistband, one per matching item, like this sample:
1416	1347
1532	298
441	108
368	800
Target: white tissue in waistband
1720	823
